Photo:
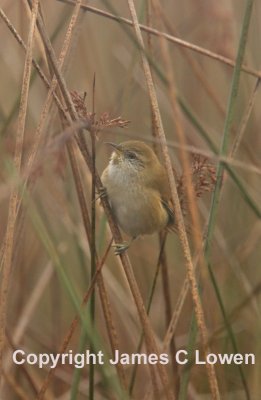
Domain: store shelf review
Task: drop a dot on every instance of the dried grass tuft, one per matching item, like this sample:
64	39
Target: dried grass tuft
203	176
96	124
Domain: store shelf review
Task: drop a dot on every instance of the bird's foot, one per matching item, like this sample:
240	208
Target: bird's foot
102	193
121	247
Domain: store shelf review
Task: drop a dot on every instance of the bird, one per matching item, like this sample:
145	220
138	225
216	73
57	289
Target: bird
138	191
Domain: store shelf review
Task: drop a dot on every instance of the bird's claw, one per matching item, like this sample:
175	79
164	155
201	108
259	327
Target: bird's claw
120	248
102	193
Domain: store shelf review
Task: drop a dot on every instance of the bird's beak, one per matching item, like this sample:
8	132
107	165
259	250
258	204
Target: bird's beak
117	147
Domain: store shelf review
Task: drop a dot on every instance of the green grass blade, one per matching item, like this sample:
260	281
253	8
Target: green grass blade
228	123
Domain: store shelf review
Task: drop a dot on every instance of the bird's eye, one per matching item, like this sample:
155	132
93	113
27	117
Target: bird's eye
131	155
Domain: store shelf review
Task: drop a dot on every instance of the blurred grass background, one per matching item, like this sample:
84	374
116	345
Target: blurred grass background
106	48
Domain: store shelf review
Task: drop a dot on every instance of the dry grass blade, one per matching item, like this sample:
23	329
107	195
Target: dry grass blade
174	194
12	213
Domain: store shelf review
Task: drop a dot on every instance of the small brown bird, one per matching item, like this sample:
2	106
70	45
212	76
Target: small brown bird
137	187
